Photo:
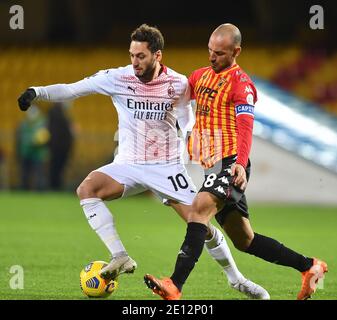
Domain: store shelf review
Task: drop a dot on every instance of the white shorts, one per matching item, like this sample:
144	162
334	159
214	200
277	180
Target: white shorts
167	181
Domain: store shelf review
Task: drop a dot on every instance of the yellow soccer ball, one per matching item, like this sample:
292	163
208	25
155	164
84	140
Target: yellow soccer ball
92	284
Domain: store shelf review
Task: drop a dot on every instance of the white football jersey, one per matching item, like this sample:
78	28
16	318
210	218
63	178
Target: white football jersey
147	112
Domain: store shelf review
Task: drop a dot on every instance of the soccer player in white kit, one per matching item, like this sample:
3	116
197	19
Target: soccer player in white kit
150	98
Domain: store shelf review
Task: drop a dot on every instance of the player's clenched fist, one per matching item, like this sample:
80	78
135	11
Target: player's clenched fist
26	99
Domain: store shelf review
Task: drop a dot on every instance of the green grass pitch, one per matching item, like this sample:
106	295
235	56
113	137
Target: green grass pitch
48	235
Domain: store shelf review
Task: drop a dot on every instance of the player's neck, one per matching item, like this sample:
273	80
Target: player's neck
157	71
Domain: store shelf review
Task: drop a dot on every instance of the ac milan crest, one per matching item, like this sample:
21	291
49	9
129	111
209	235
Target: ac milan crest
170	91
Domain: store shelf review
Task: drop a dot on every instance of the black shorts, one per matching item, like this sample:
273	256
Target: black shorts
219	182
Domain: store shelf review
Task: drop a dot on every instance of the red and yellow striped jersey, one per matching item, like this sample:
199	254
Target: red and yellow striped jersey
221	99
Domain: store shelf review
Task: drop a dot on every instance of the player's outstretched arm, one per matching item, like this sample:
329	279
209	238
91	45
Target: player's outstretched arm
26	99
54	93
100	83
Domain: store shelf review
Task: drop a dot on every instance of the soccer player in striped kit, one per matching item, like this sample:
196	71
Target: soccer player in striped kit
220	141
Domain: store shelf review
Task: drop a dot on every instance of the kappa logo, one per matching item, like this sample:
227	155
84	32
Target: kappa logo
220	190
224	180
182	254
248	89
228	170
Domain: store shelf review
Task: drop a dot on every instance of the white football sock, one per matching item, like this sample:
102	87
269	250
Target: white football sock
102	221
217	247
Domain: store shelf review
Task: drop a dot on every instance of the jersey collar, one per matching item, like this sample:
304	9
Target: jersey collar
163	69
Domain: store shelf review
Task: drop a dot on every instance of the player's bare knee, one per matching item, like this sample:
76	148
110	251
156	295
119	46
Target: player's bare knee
199	209
85	191
80	191
202	209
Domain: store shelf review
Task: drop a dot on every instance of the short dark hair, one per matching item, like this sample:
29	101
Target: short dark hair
151	35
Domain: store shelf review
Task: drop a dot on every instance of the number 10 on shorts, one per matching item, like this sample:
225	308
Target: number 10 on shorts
179	181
